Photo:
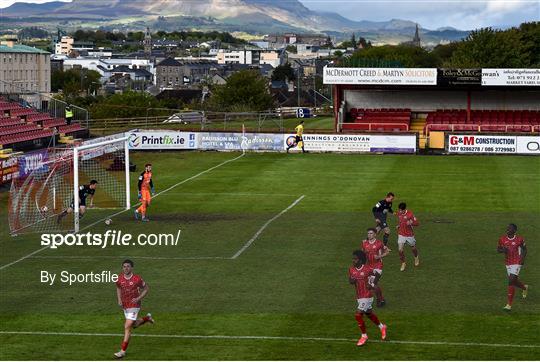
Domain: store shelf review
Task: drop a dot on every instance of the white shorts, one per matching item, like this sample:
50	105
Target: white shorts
364	304
131	313
513	269
378	271
402	240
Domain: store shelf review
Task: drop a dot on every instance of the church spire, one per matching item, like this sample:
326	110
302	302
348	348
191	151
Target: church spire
416	39
147	42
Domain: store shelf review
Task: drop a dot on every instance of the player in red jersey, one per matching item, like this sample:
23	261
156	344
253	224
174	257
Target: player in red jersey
375	250
364	279
406	234
146	190
514	247
130	290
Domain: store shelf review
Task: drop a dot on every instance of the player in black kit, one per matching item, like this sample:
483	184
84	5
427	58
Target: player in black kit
84	192
380	211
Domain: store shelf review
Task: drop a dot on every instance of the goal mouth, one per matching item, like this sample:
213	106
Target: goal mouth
57	196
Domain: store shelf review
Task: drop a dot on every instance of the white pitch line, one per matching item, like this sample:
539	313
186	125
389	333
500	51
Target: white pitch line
24	257
250	241
279	338
134	257
120	212
230	194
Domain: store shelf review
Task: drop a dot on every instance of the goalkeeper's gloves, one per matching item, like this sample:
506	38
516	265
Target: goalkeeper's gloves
153	191
140	195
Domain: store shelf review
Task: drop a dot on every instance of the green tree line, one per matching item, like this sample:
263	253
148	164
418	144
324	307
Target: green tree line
517	47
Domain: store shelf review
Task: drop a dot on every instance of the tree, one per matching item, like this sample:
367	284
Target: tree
443	53
245	91
364	43
491	48
126	105
73	82
291	49
353	41
284	72
406	56
32	32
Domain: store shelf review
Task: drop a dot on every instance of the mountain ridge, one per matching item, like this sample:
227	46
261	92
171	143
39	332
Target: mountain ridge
228	15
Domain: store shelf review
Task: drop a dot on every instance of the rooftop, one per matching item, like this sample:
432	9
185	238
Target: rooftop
18	48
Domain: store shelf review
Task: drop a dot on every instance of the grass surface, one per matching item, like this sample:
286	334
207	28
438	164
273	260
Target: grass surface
292	281
273	125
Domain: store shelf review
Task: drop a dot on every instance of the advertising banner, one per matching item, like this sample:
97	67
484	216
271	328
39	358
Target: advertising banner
356	143
394	76
529	145
33	161
162	140
509	77
8	169
494	144
223	141
458	76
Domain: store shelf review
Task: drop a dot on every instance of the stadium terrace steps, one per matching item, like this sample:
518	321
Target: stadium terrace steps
22	124
483	121
383	120
417	125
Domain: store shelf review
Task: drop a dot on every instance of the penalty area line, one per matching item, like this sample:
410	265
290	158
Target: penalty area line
278	338
122	211
250	241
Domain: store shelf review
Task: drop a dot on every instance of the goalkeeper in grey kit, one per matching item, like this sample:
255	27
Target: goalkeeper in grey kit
85	191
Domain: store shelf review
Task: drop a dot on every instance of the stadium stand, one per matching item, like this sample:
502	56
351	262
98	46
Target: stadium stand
20	125
383	120
483	121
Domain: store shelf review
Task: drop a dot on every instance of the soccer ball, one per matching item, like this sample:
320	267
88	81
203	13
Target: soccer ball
108	222
44	209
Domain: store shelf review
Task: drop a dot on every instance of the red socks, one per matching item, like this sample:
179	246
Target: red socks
124	345
402	256
415	252
361	323
520	285
511	291
374	318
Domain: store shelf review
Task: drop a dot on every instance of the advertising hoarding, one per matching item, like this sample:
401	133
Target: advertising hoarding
380	76
162	140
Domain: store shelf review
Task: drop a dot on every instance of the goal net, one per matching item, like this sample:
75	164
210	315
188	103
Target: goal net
55	197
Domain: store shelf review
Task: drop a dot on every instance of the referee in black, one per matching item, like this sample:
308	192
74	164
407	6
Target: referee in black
380	211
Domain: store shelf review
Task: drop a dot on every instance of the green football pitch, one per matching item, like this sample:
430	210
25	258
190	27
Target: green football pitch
260	271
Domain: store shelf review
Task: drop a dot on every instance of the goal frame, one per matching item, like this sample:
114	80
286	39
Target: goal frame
76	151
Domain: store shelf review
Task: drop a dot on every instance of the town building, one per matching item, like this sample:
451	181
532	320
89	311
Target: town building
23	68
277	41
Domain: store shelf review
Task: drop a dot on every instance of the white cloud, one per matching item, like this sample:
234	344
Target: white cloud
434	14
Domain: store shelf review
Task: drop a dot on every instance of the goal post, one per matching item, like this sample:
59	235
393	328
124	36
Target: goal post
84	153
47	199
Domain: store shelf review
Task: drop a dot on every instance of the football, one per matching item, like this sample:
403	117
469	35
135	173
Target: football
44	209
108	221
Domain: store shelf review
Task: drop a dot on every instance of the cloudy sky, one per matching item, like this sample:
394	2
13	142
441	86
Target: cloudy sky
434	14
431	14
